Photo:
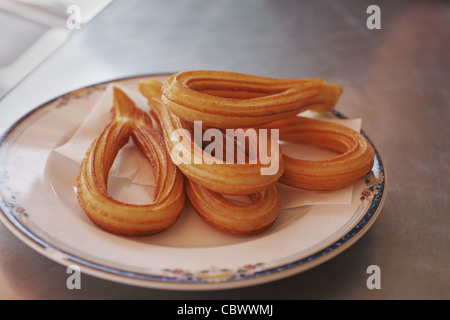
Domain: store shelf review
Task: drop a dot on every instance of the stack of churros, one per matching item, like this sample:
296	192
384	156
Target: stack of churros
221	131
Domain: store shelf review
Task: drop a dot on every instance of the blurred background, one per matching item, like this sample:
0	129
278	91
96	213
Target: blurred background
30	30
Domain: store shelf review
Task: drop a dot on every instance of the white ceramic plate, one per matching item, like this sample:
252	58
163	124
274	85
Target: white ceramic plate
38	204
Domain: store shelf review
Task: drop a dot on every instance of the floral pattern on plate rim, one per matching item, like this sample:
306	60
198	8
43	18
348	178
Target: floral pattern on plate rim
373	187
214	273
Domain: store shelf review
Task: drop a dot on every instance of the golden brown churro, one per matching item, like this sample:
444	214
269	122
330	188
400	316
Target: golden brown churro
235	100
211	172
123	218
206	181
259	110
355	157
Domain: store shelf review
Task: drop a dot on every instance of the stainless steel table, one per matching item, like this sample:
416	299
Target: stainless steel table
396	78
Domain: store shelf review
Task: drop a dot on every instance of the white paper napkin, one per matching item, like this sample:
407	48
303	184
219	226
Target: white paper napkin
131	165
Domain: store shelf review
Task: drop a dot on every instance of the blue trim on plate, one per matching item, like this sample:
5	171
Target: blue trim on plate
371	211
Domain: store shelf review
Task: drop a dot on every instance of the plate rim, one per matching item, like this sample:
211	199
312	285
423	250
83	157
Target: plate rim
319	256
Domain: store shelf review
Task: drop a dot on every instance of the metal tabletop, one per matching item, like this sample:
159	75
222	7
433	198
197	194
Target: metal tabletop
396	78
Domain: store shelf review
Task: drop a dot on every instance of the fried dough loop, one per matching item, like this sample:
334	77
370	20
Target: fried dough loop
235	218
232	100
115	216
207	182
217	175
355	157
220	101
235	100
